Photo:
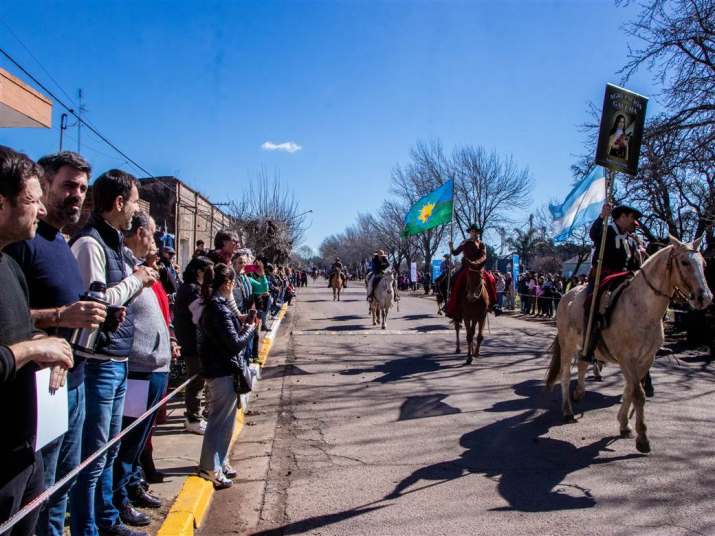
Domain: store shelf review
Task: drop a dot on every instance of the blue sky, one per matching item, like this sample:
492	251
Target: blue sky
194	89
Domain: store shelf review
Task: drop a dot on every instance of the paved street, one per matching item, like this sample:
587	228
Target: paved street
360	431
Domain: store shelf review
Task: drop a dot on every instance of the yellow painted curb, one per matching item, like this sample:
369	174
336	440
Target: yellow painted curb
192	503
177	524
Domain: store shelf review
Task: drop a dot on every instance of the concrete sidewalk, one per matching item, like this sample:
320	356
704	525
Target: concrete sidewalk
176	453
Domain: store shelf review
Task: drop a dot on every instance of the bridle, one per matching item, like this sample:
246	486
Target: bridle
669	268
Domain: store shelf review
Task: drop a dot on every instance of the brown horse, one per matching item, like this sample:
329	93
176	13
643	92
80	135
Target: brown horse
473	308
337	282
634	332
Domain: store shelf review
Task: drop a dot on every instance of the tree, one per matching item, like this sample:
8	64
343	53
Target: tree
524	241
488	188
676	43
427	171
269	218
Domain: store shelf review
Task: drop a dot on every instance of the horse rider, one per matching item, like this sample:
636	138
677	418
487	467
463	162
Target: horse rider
623	252
474	256
338	266
378	265
445	268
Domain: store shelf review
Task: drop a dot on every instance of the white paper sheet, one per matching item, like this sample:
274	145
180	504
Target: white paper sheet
135	403
52	410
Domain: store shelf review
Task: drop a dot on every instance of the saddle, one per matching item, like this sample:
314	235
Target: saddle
607	296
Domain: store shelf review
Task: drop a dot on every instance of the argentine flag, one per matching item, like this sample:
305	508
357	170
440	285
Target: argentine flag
581	207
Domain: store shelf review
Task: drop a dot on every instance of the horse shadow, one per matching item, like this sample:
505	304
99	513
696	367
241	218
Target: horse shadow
398	369
531	469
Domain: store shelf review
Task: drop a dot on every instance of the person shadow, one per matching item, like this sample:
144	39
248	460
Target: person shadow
531	469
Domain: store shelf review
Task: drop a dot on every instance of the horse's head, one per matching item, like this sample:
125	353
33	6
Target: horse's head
688	272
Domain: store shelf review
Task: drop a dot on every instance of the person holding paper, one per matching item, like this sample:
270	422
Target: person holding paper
148	378
55	283
22	349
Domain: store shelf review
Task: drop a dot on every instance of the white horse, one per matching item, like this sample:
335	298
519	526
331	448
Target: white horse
635	330
382	298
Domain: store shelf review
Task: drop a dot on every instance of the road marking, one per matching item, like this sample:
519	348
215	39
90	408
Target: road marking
372	332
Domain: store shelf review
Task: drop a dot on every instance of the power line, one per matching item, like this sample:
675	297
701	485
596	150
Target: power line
82	121
9	29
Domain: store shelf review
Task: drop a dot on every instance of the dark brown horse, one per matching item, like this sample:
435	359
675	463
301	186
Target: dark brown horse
472	310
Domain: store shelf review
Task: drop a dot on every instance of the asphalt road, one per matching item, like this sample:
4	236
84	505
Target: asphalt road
356	431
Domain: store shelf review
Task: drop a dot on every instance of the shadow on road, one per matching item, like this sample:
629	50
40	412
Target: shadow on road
306	525
531	469
343	318
398	369
417	317
420	407
278	371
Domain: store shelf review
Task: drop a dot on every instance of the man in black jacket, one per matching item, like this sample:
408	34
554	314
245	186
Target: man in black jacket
22	350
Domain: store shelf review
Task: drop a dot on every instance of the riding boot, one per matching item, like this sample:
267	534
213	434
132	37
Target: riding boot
647	382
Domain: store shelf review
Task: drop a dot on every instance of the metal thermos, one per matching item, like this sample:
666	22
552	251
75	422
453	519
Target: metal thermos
85	339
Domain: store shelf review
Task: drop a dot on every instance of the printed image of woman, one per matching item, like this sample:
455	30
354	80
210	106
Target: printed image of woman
618	139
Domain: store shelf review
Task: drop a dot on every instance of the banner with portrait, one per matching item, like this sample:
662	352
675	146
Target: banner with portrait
621	131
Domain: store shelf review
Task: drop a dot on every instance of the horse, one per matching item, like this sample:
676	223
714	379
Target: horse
473	308
383	296
440	292
337	283
634	332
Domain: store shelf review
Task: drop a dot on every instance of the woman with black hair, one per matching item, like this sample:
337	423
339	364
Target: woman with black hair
185	329
221	344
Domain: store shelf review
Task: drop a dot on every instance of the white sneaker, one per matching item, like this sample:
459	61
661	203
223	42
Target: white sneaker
195	427
228	471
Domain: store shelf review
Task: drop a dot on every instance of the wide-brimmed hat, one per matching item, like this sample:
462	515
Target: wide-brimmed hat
380	253
625	209
474	227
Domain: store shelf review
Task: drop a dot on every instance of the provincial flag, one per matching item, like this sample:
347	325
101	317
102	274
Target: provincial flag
581	207
432	210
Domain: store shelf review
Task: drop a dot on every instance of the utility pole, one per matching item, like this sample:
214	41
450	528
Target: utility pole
63	127
79	120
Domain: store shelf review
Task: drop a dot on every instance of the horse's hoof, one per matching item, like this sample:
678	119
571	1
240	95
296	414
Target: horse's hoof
643	445
626	433
469	361
569	419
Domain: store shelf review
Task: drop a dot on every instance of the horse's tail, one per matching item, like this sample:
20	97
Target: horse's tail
555	366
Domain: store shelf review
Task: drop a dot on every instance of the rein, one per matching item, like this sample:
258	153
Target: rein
669	268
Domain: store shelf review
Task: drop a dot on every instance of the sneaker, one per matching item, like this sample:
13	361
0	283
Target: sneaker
218	478
195	427
228	471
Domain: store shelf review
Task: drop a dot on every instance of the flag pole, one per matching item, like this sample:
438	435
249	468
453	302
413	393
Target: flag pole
451	240
599	269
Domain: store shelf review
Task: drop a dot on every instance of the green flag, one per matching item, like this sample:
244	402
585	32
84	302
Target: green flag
432	210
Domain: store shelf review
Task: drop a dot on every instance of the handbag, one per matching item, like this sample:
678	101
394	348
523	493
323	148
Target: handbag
242	378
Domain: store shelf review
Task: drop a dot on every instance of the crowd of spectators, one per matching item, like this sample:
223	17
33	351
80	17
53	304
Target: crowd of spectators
538	293
113	347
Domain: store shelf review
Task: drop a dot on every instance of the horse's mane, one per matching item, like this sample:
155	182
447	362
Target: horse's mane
657	255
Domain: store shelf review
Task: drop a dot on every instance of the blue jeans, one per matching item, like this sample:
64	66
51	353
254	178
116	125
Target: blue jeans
105	385
219	427
60	457
126	466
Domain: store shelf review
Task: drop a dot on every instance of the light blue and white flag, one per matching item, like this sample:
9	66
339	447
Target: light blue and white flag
581	207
